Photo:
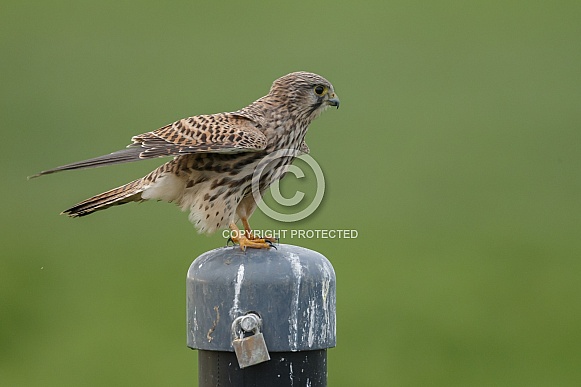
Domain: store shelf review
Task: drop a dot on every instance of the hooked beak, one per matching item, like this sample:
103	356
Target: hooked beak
334	101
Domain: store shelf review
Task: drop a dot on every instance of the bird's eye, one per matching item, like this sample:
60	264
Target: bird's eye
320	90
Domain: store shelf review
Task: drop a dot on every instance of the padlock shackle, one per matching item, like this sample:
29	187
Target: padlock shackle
238	330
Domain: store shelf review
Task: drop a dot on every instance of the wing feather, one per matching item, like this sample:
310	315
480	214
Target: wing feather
217	133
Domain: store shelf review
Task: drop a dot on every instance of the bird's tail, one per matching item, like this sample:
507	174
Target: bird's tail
130	192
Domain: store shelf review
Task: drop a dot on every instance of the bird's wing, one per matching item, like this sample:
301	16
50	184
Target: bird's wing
217	133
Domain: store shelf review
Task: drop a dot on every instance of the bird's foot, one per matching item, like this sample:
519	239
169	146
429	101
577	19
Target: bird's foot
255	243
246	239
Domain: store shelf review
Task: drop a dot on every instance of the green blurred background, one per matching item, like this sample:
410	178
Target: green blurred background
455	155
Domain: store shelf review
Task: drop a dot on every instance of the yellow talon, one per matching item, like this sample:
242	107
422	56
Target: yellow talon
245	241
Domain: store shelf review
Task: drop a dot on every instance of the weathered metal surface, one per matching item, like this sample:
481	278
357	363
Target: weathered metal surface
291	288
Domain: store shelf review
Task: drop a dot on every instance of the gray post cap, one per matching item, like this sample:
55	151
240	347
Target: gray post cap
291	288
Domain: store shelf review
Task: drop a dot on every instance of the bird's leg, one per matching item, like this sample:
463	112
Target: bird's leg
244	242
249	235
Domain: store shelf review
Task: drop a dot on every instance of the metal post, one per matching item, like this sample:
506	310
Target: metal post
287	296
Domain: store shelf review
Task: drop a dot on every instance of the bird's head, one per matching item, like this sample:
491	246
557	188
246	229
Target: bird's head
307	92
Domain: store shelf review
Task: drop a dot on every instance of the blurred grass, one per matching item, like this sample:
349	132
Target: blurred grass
455	155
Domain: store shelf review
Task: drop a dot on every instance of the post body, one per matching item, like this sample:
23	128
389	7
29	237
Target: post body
291	288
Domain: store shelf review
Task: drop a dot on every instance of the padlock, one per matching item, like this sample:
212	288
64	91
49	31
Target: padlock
250	350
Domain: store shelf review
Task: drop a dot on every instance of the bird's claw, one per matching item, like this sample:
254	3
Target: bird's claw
271	243
255	243
228	241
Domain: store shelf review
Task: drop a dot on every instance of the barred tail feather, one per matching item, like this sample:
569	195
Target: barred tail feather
130	192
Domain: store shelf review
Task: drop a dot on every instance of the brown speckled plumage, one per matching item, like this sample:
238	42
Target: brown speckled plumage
214	156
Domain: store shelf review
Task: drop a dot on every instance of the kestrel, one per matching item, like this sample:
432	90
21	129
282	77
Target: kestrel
216	156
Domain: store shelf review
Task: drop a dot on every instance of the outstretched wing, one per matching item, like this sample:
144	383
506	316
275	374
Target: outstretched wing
217	133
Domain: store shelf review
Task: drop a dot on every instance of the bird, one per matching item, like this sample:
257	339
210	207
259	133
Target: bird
215	157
